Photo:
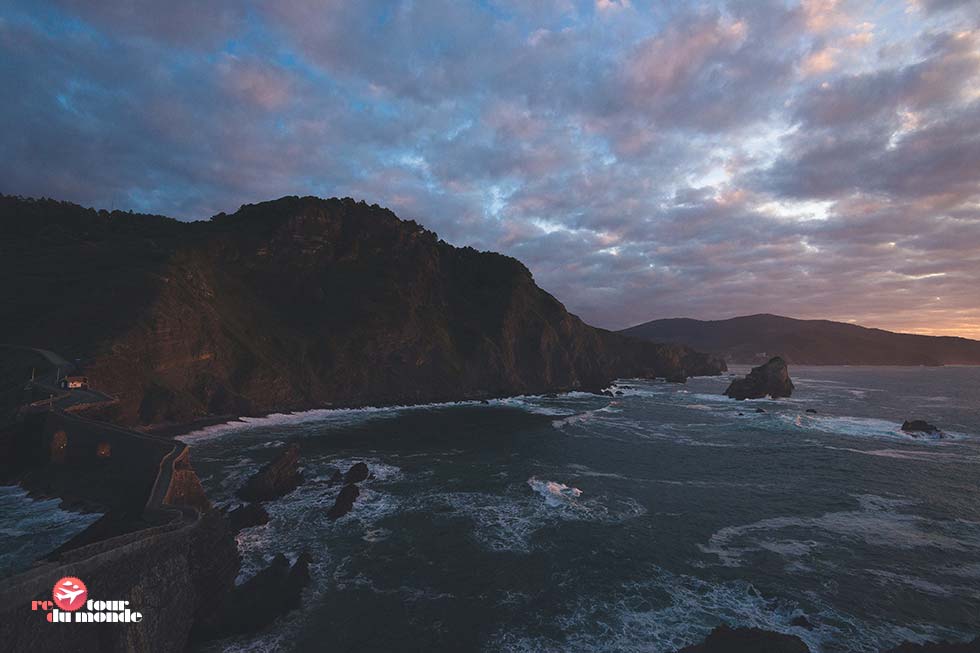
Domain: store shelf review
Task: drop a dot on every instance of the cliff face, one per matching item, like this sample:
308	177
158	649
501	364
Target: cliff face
290	304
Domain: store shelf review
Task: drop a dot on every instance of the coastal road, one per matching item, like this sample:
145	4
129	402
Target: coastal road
47	382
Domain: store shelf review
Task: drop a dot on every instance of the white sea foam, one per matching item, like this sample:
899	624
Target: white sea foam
555	493
860	427
33	527
302	514
577	419
507	522
876	522
530	403
918	584
660	611
913	454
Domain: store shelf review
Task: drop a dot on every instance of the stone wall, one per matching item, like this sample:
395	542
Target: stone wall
177	568
87	464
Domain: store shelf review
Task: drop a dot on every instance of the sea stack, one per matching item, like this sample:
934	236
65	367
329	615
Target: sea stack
916	426
770	379
276	479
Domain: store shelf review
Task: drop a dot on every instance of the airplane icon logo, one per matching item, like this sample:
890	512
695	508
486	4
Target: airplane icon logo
70	593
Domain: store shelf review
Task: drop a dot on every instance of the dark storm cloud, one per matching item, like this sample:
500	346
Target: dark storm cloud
643	159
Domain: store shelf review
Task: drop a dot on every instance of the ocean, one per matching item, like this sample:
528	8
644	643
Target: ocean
634	523
639	522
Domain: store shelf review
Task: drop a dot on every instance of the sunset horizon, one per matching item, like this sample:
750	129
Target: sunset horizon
490	326
645	161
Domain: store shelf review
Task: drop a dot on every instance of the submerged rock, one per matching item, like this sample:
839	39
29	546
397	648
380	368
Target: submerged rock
344	502
811	411
279	477
770	379
802	622
747	640
920	426
250	514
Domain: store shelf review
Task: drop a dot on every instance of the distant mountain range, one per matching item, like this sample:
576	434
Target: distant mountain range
754	338
295	303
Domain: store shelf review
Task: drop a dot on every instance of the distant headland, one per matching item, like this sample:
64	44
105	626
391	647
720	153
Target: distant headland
756	338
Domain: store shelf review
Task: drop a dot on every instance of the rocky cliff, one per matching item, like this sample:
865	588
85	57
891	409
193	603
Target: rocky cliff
291	304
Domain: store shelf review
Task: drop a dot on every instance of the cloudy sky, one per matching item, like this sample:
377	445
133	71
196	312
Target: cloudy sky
644	159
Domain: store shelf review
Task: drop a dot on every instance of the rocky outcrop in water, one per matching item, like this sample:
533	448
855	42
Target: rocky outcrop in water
771	379
917	426
246	516
747	640
292	304
263	598
357	473
344	502
279	477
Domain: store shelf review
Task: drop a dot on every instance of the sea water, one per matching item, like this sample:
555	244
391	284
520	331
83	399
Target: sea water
31	528
628	523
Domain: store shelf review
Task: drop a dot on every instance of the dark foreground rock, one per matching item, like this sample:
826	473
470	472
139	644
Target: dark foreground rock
357	473
938	647
264	597
279	477
344	502
770	379
248	515
920	426
747	640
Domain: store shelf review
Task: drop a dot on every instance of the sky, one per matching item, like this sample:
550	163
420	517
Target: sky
817	159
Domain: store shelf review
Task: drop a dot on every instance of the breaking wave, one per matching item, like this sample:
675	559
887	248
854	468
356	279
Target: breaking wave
33	527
